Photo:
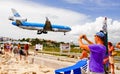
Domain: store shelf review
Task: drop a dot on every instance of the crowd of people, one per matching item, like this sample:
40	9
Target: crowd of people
97	50
15	49
21	50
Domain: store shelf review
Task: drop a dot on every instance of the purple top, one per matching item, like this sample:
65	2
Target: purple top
97	54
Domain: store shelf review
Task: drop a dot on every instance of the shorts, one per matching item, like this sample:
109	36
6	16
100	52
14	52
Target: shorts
1	48
111	59
36	49
21	52
96	73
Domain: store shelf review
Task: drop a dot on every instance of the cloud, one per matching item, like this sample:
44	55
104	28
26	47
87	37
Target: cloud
37	13
75	1
114	30
80	23
90	28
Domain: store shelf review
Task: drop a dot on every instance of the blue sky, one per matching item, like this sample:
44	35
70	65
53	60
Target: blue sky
83	16
93	8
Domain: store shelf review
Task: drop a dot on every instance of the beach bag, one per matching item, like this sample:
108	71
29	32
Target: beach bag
114	53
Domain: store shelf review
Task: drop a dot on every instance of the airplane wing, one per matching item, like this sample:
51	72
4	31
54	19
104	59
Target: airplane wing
47	26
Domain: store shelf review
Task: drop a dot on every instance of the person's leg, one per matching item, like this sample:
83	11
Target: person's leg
24	53
112	68
35	52
24	57
111	64
20	54
20	57
27	52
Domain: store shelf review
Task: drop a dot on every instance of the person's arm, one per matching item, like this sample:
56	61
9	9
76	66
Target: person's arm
84	46
81	57
84	54
111	49
88	41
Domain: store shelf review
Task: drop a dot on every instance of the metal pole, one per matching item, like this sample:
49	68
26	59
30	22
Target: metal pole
104	29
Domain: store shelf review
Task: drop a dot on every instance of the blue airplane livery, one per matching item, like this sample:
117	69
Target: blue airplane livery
21	22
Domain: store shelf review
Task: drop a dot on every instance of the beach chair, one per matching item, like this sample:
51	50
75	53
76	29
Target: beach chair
75	69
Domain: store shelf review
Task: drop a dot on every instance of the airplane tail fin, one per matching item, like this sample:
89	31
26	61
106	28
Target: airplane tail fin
16	16
15	13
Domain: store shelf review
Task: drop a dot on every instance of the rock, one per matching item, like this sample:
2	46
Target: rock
34	73
0	67
26	62
25	73
31	60
118	67
45	71
4	72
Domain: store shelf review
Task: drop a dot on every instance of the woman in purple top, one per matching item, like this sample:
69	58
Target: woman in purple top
97	52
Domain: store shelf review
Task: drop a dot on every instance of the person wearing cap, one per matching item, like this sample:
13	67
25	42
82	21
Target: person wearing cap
97	52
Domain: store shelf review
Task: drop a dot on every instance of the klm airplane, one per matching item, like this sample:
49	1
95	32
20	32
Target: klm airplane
21	22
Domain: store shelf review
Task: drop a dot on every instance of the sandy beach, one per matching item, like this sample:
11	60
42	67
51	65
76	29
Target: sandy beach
9	65
39	64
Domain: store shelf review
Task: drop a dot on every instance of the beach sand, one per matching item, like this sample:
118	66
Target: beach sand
9	65
39	64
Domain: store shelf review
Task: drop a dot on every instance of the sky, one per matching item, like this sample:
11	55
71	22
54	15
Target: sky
83	16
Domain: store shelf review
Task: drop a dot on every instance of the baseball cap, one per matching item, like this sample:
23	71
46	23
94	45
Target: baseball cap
100	34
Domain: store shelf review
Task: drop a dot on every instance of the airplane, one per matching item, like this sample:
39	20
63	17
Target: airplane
21	22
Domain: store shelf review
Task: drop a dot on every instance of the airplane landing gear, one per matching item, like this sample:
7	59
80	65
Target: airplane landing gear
64	33
45	32
39	32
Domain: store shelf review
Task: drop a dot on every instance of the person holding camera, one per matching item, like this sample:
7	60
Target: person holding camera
97	52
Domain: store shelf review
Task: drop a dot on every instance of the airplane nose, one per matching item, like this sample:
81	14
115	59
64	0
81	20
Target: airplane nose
70	29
